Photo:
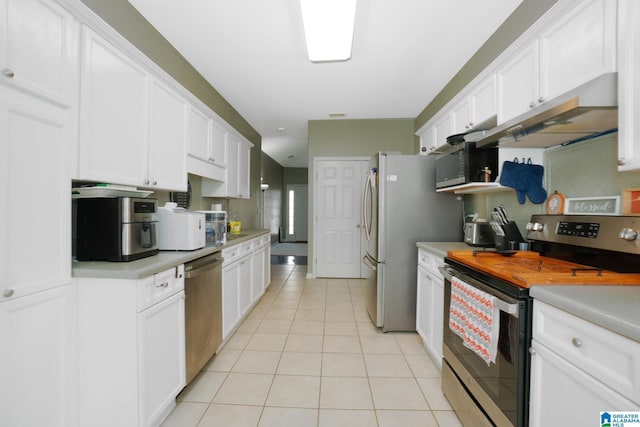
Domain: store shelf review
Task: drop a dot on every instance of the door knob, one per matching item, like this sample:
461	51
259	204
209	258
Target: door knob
8	73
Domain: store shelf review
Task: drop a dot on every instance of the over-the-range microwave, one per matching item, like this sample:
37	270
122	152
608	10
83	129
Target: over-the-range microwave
464	163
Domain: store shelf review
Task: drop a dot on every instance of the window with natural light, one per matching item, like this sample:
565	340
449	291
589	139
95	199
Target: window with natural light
291	211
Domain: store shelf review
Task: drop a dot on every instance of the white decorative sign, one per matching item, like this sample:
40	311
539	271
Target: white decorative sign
609	205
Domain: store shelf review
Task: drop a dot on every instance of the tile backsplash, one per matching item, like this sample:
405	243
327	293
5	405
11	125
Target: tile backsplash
585	169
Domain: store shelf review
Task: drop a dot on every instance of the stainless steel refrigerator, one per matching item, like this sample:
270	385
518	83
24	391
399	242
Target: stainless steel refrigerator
400	208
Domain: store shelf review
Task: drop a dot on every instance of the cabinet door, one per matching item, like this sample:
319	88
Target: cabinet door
443	128
114	118
37	360
437	312
199	134
461	116
629	86
35	230
233	151
517	83
244	285
578	47
423	305
167	140
218	147
428	140
230	303
161	358
244	170
267	264
554	378
43	65
482	101
257	274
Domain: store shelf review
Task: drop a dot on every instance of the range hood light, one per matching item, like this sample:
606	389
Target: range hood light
328	28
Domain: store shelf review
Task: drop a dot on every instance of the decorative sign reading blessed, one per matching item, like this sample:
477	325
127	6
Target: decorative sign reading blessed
593	205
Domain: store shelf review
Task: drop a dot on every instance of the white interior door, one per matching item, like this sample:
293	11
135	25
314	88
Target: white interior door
296	222
338	193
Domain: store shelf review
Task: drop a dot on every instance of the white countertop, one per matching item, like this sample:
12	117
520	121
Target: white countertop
613	307
154	264
441	248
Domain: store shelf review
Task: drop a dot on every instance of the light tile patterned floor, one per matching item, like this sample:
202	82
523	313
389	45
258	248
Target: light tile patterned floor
308	355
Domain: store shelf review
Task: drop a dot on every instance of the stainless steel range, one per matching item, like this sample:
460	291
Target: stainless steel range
578	250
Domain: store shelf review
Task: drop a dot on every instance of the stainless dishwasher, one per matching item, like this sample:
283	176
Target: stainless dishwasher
203	311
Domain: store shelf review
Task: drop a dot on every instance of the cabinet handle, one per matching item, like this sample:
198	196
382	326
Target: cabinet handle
146	181
576	342
7	293
155	182
163	285
622	161
533	104
8	73
532	351
541	99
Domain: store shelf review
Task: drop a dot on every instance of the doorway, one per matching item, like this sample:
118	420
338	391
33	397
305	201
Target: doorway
296	213
338	237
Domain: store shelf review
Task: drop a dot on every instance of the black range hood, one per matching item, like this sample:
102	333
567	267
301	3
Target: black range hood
588	111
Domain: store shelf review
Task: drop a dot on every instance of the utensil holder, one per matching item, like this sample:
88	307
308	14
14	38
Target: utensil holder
511	239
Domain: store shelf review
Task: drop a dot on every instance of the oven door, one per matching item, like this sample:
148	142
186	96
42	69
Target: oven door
501	388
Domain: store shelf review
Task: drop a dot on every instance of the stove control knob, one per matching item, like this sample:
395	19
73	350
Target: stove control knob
535	226
628	234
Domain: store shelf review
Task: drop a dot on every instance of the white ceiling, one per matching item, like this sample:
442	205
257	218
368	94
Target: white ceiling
253	53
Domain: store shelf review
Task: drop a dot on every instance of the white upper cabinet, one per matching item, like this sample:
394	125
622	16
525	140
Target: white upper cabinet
237	173
207	145
167	139
114	114
476	108
579	47
629	86
218	145
133	128
38	43
518	83
573	45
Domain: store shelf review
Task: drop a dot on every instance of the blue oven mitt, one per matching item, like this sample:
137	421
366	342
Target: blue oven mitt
526	179
513	175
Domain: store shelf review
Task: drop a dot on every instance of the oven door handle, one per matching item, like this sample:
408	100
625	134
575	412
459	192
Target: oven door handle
509	308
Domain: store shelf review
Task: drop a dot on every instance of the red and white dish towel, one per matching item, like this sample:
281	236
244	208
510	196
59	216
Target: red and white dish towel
474	317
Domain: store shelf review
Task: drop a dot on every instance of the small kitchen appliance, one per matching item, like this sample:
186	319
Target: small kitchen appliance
216	227
479	233
464	163
565	250
116	228
180	229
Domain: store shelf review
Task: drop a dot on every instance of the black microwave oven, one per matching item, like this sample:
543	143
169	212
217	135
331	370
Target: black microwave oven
464	163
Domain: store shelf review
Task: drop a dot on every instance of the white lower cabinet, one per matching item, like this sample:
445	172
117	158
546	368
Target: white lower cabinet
628	85
37	360
131	348
243	281
429	306
596	367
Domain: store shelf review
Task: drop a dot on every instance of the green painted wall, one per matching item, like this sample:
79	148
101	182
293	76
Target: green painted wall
272	203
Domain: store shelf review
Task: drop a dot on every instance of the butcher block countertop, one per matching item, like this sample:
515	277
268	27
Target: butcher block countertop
528	268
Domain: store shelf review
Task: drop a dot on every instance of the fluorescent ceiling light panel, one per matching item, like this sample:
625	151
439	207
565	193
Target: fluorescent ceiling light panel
328	28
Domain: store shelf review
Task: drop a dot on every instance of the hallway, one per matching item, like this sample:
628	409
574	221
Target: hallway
308	355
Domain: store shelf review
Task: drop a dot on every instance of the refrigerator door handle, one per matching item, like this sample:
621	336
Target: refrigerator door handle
369	262
367	216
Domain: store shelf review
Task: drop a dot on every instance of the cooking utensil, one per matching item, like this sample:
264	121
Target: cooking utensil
497	228
503	212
